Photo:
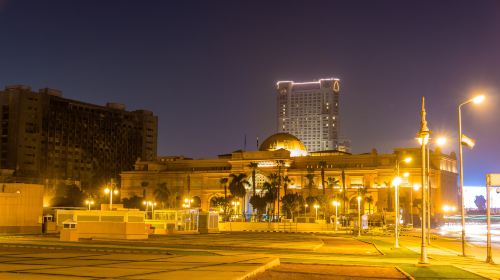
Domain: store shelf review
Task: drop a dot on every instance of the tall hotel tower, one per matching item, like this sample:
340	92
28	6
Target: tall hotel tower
310	111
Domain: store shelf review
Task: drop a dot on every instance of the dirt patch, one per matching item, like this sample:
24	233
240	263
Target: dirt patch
329	272
346	246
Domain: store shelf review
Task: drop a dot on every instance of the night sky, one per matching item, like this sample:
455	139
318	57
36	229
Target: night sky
208	68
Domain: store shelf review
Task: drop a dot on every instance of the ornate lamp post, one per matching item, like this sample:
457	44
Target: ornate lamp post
423	134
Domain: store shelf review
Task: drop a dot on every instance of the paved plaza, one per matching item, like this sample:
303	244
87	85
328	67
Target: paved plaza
236	255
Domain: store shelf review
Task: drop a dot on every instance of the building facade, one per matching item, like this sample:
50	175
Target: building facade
310	111
344	173
49	139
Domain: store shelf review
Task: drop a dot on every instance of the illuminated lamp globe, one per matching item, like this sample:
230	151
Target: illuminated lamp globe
284	141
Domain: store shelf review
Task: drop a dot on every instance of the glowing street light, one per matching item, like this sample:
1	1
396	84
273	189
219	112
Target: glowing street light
439	141
111	189
336	204
476	100
305	208
316	206
396	182
89	202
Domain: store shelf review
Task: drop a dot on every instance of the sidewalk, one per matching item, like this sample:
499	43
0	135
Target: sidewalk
438	253
71	263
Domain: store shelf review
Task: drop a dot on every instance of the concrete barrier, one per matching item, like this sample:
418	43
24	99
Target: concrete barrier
275	227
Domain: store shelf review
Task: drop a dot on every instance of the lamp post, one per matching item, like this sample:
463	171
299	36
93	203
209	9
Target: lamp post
153	204
440	141
147	207
336	204
305	209
359	216
89	202
316	206
475	100
111	190
396	182
423	134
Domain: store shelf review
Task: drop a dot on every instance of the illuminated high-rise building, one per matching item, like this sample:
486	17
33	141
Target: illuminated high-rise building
310	111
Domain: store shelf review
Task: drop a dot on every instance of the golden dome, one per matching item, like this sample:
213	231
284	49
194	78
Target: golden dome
284	141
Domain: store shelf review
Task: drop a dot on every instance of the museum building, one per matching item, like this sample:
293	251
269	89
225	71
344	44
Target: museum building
199	179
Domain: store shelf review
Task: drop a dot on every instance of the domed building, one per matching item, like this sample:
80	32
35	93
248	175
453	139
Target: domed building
328	174
284	141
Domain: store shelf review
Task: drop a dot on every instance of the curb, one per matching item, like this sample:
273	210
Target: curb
88	249
404	273
260	269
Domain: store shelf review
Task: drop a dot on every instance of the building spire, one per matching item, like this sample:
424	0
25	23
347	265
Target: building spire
423	121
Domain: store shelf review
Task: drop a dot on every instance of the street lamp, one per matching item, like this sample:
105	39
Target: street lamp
423	135
476	100
336	204
316	206
359	216
396	182
440	141
147	206
305	209
111	190
89	202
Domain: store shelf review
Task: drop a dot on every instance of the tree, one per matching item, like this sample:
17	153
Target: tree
253	166
389	195
223	182
310	180
270	193
322	165
332	182
237	187
68	195
480	202
286	182
292	203
134	202
162	194
144	186
259	203
369	200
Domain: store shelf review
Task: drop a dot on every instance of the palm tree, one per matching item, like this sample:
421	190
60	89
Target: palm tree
332	182
286	182
223	182
280	164
237	187
271	193
322	165
310	180
162	194
144	185
344	193
254	166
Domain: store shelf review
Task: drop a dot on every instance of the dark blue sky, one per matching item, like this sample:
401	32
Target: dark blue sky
208	68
